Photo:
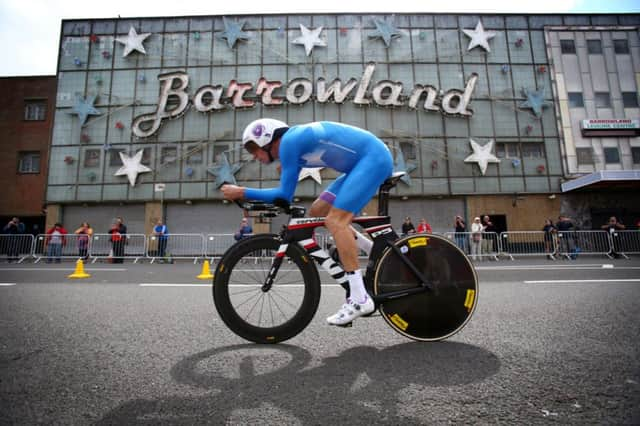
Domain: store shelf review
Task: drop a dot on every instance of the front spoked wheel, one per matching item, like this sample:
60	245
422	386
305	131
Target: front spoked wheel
259	314
435	314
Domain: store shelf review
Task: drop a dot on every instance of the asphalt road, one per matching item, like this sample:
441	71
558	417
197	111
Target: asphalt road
550	342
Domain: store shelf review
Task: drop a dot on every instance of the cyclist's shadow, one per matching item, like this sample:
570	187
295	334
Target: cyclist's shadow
362	383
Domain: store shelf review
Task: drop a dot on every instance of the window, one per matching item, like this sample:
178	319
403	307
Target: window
217	150
35	110
585	155
92	158
611	155
194	154
532	150
146	157
114	157
576	100
635	154
408	150
630	99
28	162
567	47
594	47
621	46
507	150
602	100
168	155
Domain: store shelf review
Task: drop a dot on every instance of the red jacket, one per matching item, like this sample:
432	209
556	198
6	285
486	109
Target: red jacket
424	229
61	230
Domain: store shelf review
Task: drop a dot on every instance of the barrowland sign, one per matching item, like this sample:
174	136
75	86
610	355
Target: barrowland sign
386	93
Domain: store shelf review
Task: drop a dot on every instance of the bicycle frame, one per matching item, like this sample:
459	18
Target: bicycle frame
301	231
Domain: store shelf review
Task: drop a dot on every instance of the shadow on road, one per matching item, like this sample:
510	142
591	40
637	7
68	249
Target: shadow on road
275	384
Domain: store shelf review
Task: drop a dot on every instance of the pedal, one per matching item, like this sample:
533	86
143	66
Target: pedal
347	325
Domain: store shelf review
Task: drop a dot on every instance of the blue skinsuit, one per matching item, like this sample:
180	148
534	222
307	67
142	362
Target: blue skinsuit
363	158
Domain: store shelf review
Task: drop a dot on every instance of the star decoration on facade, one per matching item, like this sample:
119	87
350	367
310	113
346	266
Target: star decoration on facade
482	155
401	165
83	108
386	30
479	37
224	172
132	166
233	32
133	41
312	173
310	38
535	101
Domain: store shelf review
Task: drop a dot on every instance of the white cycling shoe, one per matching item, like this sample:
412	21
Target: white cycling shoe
350	311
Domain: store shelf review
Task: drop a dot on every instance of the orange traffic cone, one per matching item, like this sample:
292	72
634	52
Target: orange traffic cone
79	272
206	272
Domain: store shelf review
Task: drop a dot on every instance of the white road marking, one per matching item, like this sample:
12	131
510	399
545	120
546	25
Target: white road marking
232	285
550	267
63	269
7	284
583	281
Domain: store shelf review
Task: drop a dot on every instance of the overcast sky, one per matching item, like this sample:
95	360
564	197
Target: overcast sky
30	29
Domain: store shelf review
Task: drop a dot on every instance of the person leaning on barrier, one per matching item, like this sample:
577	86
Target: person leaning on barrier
407	227
550	232
424	227
118	233
11	248
460	236
244	230
84	233
161	232
612	226
55	241
566	237
477	228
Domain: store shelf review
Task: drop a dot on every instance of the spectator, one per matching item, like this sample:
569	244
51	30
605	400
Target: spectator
424	227
407	227
460	235
161	232
118	233
549	235
244	230
84	233
489	241
612	226
54	241
476	238
566	236
11	242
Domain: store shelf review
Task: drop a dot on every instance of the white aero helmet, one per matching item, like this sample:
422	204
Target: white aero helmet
263	131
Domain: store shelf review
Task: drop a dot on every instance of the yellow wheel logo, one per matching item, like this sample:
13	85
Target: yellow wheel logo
395	318
417	242
468	302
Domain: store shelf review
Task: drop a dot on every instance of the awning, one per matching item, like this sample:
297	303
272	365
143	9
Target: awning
605	179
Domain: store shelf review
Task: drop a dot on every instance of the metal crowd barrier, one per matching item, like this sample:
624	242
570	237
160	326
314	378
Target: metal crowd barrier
624	243
528	243
134	246
54	248
217	244
176	246
572	244
477	245
16	247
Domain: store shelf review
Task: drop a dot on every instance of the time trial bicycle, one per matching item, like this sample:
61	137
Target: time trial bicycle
266	289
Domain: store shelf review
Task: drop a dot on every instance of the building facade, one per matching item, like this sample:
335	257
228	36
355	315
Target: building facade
26	119
149	111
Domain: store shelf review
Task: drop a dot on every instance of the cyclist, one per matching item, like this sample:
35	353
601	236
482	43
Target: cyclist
365	162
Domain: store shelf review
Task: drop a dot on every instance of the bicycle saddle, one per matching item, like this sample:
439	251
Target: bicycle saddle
392	180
